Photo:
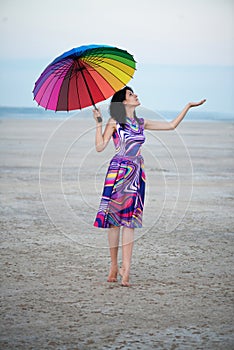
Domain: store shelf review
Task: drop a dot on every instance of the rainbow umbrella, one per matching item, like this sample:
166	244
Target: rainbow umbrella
83	76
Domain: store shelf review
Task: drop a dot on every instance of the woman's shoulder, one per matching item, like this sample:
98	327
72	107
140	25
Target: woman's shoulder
111	120
141	121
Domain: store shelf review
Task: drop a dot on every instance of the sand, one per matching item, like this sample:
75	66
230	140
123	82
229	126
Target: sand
54	263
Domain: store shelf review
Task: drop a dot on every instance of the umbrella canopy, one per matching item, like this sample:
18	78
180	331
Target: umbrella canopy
83	76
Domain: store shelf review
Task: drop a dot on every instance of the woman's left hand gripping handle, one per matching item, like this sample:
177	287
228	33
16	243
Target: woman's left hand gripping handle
97	115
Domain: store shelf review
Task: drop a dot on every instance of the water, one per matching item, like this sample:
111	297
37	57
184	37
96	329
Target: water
40	113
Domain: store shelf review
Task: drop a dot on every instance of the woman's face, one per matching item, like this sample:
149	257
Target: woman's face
131	99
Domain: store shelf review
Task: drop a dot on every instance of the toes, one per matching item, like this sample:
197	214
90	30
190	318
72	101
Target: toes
112	279
125	284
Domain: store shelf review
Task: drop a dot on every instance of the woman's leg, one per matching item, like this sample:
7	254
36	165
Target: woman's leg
127	247
113	238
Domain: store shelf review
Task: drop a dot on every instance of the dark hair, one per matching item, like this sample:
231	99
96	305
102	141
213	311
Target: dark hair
117	108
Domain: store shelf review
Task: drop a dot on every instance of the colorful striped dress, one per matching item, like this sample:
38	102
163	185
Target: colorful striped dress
122	200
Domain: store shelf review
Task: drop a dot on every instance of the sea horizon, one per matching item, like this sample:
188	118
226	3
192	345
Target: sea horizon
8	112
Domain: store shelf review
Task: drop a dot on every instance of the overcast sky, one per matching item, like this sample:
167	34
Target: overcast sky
158	33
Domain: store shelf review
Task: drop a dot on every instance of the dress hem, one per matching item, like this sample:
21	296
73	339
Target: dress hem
106	227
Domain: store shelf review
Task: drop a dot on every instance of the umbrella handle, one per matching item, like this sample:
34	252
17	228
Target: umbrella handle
99	119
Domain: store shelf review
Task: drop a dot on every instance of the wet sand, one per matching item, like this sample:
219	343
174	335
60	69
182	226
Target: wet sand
54	263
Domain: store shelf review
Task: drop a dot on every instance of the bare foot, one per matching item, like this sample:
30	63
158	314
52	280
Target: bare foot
112	277
125	283
125	277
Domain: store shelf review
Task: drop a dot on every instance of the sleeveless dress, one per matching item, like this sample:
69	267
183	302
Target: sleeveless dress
122	200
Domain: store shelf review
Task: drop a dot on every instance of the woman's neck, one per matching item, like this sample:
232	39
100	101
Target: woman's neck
130	112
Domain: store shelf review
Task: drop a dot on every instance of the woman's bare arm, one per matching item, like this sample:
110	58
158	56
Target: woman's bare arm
102	139
157	125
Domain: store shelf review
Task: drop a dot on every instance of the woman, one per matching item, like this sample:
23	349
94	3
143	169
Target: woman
122	200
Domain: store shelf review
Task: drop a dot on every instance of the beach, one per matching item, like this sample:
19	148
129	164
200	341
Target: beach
54	263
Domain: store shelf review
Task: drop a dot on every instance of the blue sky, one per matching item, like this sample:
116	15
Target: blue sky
184	48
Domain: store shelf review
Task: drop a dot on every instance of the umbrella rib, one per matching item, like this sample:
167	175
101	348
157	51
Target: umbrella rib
102	78
94	81
100	52
97	84
72	74
43	94
47	85
111	65
77	90
95	62
87	87
87	70
103	59
44	77
71	69
59	76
